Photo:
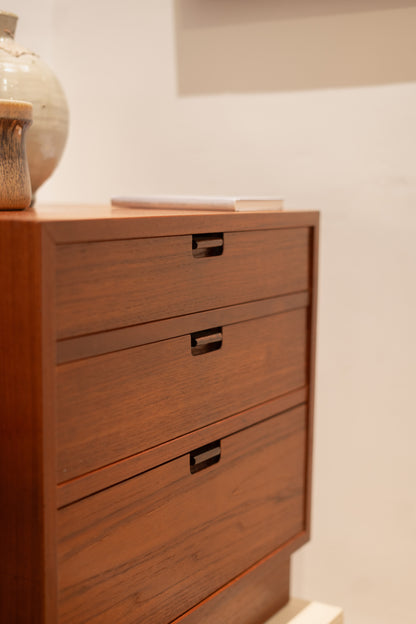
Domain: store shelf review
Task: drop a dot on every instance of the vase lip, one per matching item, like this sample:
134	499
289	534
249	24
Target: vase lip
8	22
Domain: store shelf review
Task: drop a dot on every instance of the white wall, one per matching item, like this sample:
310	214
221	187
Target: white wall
315	102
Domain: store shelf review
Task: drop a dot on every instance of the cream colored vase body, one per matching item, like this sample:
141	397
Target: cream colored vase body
24	76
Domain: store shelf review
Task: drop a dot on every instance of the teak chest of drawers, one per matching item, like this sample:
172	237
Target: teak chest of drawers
157	374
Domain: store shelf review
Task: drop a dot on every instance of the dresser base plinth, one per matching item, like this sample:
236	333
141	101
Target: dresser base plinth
251	598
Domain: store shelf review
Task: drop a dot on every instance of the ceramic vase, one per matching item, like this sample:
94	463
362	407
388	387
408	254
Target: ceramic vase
24	76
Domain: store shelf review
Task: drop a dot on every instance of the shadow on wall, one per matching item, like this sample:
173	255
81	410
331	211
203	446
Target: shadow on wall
285	45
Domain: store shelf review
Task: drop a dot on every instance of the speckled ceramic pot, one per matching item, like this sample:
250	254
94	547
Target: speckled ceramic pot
24	76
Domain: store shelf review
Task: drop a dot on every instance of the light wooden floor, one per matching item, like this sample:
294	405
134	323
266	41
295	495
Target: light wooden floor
303	612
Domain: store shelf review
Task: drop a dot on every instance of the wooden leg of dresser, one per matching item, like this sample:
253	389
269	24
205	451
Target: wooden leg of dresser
252	598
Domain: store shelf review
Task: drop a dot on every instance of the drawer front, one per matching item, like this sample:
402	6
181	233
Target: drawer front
119	404
106	285
150	548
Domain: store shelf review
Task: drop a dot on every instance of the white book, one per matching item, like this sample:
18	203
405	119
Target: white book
188	202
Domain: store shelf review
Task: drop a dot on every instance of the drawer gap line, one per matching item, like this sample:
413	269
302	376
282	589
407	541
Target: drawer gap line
163	462
73	349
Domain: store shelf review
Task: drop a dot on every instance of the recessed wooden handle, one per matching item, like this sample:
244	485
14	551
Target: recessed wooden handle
205	456
206	341
206	245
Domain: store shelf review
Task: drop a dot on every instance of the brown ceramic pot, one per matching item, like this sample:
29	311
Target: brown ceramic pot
15	187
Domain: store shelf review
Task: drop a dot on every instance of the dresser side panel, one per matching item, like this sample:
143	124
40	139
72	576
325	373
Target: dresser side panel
22	495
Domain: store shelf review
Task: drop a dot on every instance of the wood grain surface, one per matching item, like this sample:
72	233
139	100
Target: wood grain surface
27	496
106	285
116	405
150	548
67	223
97	480
133	538
251	598
80	347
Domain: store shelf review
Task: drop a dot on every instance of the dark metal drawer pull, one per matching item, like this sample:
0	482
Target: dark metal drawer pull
206	341
206	245
205	456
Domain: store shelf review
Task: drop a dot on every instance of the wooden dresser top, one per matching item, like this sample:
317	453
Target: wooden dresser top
79	222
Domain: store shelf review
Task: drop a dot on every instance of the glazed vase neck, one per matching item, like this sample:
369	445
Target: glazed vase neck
8	22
